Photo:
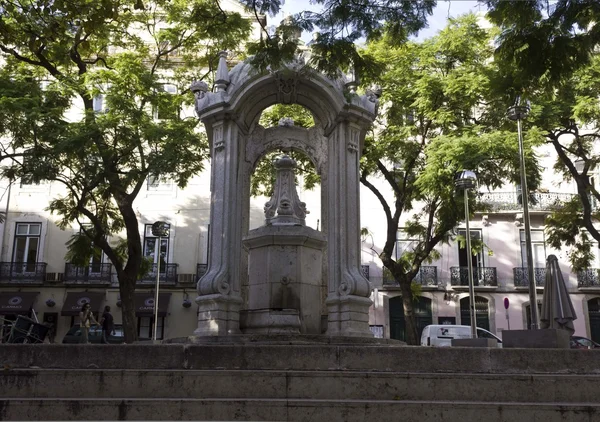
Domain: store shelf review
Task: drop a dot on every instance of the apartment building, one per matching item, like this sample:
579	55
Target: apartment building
500	270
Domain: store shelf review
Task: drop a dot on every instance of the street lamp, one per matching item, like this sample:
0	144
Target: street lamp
518	112
159	229
468	180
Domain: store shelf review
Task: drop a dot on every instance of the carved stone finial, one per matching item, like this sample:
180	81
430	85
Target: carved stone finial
199	88
222	80
285	202
352	80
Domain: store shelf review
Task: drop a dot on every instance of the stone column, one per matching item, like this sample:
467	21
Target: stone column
348	290
219	289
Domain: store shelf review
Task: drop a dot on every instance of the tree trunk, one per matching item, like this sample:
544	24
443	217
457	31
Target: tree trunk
409	315
127	291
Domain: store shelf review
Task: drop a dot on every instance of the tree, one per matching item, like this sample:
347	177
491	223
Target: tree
543	42
548	54
569	116
340	23
109	60
440	114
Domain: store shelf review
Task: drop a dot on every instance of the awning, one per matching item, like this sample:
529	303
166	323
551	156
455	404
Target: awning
75	301
144	304
16	302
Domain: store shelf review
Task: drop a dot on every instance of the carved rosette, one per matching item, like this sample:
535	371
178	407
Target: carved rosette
285	208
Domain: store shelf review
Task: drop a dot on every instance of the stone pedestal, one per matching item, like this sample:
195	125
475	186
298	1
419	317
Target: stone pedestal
285	273
218	315
550	338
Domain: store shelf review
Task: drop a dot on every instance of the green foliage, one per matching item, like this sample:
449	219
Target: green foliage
565	227
340	24
263	177
442	111
271	116
544	42
125	51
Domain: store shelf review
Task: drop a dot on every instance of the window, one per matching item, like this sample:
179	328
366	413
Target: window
27	178
26	247
97	258
538	248
166	109
146	327
99	103
153	250
159	183
477	259
404	243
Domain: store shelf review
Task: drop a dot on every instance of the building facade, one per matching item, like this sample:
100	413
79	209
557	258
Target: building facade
500	270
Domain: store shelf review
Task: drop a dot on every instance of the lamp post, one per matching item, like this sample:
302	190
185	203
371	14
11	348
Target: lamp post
467	180
517	113
159	229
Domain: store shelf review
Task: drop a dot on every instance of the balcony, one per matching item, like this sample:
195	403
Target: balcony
482	276
589	278
426	277
521	277
27	273
511	201
168	275
100	274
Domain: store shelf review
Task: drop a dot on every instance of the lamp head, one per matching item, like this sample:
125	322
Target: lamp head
466	179
160	229
518	111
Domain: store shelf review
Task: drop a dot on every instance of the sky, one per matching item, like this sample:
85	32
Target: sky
437	21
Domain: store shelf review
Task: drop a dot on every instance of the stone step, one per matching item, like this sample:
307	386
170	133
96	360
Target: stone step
324	385
294	410
383	358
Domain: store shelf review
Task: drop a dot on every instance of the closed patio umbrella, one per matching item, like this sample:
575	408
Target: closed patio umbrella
557	308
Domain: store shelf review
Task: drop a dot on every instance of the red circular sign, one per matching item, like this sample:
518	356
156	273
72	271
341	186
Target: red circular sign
505	303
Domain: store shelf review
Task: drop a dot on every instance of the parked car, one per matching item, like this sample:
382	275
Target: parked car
583	343
442	335
94	335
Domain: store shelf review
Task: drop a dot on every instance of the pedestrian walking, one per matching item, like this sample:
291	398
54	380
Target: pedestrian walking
87	317
108	324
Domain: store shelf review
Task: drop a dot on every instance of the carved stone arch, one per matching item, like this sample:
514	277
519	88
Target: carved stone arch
310	142
230	115
322	96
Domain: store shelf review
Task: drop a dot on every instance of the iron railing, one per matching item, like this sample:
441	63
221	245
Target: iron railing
511	201
92	274
426	277
521	276
365	271
168	275
482	276
23	272
590	277
201	270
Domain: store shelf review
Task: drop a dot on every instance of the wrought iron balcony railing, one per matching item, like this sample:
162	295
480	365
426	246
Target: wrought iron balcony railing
521	277
23	272
426	277
92	274
482	276
365	271
511	201
168	275
590	277
201	269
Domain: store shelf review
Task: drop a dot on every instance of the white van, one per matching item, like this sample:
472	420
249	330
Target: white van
442	335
